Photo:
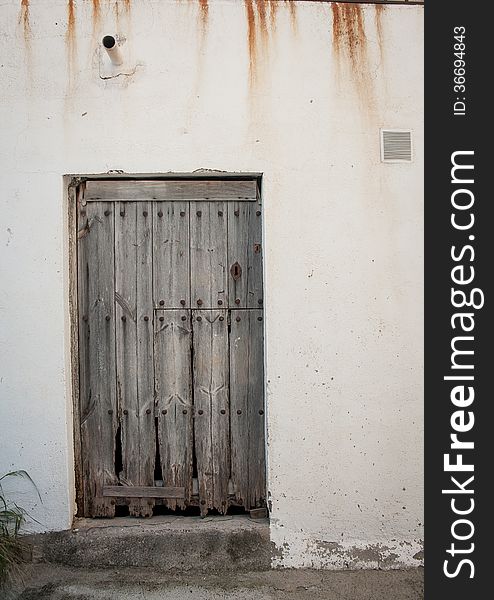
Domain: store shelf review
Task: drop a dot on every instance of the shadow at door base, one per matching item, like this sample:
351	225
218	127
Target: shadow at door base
190	511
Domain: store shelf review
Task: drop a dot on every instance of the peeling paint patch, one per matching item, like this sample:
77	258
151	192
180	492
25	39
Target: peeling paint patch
389	560
348	557
419	555
292	549
278	552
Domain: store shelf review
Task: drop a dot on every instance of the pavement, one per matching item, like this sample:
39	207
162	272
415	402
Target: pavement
56	582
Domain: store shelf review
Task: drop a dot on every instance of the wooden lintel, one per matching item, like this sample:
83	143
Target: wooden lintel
143	190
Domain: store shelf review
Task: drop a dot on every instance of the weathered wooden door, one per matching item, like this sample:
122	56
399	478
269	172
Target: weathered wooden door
170	345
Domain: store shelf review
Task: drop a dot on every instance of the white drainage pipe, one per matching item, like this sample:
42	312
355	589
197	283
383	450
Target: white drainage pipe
111	47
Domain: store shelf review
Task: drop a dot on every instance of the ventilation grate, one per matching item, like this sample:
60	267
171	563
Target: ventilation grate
396	145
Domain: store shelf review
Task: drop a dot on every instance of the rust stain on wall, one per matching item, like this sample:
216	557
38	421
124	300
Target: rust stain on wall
251	38
121	7
203	22
292	7
379	10
273	11
350	47
25	23
24	19
96	13
204	13
261	22
349	33
70	35
70	38
116	10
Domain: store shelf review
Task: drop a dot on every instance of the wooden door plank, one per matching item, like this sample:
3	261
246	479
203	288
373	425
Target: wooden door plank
244	253
257	421
171	254
126	341
173	339
145	352
208	254
97	362
247	407
239	407
170	190
211	402
134	348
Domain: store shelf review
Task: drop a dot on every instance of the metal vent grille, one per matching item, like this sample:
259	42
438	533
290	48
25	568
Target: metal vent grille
396	145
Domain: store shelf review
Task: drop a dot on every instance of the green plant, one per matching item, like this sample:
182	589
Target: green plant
12	516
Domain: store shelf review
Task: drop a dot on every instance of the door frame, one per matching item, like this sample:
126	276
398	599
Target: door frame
72	189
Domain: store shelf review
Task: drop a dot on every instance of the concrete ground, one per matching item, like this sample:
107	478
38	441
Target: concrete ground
175	558
51	582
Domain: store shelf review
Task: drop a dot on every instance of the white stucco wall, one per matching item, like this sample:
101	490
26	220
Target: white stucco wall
343	236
